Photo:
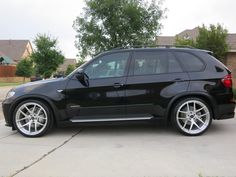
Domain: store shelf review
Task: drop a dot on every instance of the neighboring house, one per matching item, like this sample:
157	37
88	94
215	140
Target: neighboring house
68	61
230	59
16	49
5	60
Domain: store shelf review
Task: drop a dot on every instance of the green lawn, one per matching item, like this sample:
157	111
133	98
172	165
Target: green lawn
2	84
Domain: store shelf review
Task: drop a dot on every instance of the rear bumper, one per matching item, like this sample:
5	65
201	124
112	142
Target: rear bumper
225	111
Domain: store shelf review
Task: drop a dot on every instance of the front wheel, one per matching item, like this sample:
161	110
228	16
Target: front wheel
32	118
191	116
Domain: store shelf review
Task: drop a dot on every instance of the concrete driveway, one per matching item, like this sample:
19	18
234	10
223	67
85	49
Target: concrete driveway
120	151
134	150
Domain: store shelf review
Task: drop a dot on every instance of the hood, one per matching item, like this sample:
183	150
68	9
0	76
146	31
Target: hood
33	86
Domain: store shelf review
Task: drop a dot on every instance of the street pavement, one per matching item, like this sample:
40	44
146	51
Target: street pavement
132	151
141	150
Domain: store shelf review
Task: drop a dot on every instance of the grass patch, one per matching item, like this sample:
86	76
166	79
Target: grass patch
3	84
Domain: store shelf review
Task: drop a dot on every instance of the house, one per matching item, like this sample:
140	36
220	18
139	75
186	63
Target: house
11	52
16	49
230	60
5	60
68	61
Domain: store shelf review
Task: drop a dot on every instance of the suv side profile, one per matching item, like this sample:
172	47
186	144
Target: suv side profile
188	87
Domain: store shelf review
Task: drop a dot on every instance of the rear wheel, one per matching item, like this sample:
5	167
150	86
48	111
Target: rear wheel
191	116
32	118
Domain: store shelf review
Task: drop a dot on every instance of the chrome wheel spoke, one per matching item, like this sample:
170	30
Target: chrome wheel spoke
203	114
30	127
24	118
191	126
22	113
22	126
200	120
39	123
196	125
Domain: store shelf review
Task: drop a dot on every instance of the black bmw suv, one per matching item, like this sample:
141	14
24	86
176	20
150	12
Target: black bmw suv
187	87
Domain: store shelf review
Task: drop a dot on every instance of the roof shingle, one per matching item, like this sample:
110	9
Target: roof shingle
13	48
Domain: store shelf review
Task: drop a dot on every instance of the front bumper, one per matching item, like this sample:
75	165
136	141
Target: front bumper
6	108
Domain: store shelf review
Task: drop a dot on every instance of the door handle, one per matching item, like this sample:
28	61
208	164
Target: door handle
178	80
117	85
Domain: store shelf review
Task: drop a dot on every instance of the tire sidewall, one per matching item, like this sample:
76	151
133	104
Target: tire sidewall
174	117
49	116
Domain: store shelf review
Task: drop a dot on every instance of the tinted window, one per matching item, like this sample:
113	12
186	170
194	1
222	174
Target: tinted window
155	63
110	65
189	61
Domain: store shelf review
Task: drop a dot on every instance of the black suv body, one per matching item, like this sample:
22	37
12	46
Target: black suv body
188	87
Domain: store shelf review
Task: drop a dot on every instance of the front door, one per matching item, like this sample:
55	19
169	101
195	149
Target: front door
104	97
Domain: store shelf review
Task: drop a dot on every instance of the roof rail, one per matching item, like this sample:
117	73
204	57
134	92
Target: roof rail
154	46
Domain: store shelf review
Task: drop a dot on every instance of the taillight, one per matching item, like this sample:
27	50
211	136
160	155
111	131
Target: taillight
227	81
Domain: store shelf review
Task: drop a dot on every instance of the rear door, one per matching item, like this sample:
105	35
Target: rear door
154	78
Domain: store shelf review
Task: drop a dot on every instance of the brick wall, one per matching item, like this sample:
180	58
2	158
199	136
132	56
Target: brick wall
14	79
7	71
231	64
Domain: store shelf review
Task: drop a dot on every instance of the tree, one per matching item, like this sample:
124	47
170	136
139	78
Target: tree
213	39
107	24
69	69
24	68
47	57
80	62
184	42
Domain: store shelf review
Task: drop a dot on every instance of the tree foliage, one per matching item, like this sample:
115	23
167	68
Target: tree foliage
47	57
80	62
184	42
24	68
107	24
211	38
69	69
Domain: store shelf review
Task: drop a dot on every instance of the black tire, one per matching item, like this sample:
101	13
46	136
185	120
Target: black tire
183	125
46	117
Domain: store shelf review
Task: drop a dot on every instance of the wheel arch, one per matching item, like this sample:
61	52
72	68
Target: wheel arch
202	95
43	99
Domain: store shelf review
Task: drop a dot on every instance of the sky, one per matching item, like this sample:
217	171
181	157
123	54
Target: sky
24	19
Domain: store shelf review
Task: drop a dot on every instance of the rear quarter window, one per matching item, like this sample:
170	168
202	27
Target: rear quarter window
189	61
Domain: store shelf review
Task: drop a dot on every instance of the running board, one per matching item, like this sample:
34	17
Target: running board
110	119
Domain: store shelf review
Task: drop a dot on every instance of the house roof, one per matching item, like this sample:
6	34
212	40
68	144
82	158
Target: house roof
189	33
231	41
192	34
6	60
14	49
67	61
166	40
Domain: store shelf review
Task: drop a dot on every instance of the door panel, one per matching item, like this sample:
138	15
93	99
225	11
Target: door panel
104	97
155	78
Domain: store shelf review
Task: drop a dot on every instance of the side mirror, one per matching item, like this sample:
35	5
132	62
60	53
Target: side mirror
83	78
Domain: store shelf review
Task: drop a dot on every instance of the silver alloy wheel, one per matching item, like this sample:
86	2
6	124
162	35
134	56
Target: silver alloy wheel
193	117
31	118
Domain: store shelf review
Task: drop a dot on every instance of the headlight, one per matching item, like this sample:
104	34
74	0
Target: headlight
10	94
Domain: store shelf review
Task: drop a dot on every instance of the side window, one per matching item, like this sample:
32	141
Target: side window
189	61
155	62
110	65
